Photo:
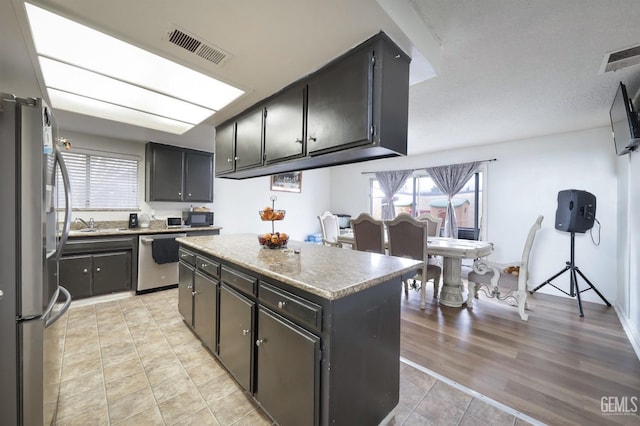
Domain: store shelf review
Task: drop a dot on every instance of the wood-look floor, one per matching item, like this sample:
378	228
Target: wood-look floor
556	367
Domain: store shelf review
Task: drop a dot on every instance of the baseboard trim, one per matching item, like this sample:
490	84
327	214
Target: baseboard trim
634	339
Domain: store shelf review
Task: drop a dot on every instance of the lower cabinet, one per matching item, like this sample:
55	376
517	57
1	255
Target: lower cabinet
236	335
198	296
96	274
185	291
205	309
288	370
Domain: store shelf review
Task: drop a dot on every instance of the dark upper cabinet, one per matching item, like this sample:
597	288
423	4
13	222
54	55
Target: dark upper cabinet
354	109
284	125
198	176
178	174
248	152
225	146
339	113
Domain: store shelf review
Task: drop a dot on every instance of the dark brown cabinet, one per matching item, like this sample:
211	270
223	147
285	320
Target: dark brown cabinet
178	174
248	152
353	109
284	126
288	370
236	335
198	296
225	148
339	110
95	274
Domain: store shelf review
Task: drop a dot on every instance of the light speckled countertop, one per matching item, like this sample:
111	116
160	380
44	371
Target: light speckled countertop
103	232
328	272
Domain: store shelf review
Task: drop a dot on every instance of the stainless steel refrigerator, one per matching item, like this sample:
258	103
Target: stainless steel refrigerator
31	300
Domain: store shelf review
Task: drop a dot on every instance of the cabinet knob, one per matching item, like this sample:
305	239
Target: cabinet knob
193	293
180	193
260	341
229	160
97	269
189	287
235	158
312	139
246	331
203	265
84	271
189	195
298	140
281	304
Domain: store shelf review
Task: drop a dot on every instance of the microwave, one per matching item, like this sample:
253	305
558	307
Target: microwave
191	218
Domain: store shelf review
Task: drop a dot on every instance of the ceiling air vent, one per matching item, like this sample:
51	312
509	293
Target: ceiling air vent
197	45
619	59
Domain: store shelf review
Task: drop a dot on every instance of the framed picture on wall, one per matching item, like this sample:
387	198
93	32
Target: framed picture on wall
287	182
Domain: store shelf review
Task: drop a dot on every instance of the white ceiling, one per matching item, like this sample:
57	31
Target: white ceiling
509	69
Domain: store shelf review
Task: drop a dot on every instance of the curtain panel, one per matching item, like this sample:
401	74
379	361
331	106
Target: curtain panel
390	183
450	180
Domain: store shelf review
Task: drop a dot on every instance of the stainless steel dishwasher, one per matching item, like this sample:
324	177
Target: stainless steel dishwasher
150	274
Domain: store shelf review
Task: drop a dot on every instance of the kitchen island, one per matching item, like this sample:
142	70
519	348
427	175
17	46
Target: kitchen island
312	333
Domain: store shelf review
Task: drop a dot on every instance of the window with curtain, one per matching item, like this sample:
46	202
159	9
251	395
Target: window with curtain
100	182
420	195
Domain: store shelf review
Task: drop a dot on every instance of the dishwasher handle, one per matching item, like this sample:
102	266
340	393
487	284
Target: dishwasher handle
149	240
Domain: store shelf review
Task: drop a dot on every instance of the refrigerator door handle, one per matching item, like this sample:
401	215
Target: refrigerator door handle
67	201
49	321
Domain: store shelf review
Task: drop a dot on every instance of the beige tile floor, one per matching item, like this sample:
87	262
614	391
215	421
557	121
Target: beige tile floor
133	361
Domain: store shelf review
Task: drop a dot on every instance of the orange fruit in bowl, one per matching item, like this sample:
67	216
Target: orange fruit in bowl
283	236
275	239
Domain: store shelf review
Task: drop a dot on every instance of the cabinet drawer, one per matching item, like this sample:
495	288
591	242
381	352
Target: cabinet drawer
239	280
291	306
187	257
207	265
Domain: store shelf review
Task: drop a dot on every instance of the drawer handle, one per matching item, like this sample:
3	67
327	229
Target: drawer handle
281	304
204	265
260	341
246	331
184	255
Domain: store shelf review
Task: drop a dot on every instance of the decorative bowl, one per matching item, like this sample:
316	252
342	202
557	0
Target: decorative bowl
270	214
273	241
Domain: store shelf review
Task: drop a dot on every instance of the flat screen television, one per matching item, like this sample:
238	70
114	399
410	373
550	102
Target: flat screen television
624	122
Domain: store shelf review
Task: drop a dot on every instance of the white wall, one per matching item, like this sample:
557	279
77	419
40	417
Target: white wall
522	183
238	202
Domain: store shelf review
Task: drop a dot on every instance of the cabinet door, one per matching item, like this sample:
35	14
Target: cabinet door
205	309
185	292
75	275
288	370
166	174
198	176
111	272
236	335
340	104
284	126
225	159
249	140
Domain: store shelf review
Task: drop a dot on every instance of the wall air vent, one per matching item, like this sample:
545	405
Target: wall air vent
197	45
619	59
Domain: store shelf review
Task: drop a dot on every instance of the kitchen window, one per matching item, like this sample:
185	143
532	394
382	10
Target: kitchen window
419	195
101	181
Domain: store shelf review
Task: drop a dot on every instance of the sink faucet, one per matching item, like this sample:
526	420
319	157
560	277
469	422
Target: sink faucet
89	225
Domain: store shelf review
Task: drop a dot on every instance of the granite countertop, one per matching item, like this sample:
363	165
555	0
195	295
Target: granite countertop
328	272
102	230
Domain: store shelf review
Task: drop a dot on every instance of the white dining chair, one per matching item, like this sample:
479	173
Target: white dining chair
330	229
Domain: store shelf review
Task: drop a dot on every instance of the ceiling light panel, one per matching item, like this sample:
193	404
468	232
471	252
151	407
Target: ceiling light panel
68	78
95	108
59	38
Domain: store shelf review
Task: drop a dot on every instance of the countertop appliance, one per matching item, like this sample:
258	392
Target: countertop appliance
30	353
196	218
133	220
152	275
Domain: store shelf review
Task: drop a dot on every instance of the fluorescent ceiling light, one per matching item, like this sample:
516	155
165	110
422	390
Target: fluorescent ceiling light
97	56
80	105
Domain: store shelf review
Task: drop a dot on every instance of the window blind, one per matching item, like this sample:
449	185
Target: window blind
100	182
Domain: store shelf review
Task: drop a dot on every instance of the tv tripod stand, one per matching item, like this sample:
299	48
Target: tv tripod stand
574	290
